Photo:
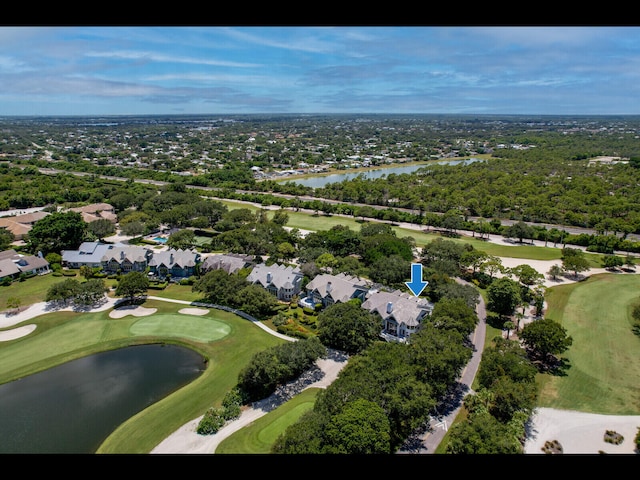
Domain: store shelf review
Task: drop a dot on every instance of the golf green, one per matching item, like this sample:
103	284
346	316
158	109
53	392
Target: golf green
199	329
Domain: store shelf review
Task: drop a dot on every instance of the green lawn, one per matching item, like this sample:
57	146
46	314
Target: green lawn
63	336
181	326
258	437
601	378
32	290
604	365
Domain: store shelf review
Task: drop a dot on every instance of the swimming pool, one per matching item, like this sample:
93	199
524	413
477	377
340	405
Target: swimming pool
160	239
306	302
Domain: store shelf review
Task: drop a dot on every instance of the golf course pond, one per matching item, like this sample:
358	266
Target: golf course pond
74	407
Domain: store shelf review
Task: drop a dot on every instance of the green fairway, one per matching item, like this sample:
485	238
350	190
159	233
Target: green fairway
604	365
320	221
182	326
601	378
263	432
63	336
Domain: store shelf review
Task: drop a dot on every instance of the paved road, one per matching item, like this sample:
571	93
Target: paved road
429	441
506	222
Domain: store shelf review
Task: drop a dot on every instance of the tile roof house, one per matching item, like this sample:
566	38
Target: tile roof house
401	313
34	264
8	269
282	281
328	289
20	225
97	211
179	263
12	264
230	263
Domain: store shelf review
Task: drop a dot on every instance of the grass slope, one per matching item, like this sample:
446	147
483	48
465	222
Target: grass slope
603	363
595	312
258	437
64	336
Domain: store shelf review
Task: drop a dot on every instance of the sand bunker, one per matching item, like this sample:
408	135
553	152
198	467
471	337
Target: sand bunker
194	311
129	310
16	332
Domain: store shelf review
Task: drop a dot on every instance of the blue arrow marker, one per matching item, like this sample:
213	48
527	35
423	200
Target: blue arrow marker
416	285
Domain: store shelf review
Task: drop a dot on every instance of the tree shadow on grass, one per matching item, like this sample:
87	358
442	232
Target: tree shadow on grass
558	367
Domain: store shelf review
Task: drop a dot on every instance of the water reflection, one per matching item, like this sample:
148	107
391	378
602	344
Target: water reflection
321	181
72	408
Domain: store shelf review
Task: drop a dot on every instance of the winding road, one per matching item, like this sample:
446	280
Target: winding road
428	442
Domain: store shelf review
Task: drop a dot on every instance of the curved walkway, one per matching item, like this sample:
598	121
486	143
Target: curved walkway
187	440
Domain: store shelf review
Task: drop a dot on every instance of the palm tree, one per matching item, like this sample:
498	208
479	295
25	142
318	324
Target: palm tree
508	326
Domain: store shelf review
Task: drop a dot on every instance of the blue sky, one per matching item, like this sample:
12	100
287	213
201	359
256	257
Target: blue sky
136	70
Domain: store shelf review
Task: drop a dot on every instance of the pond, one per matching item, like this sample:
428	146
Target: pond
74	407
322	180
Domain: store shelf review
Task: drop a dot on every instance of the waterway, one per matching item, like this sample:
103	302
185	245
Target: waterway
322	180
74	407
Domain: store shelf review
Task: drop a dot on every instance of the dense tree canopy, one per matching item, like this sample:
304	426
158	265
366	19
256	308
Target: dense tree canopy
484	434
6	239
276	366
456	314
506	357
101	228
546	337
348	327
503	295
132	284
362	427
56	232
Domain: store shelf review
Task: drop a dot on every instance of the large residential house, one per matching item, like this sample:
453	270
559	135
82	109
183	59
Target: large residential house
230	262
123	258
111	258
401	313
126	258
97	211
20	225
88	253
329	289
284	282
12	264
178	263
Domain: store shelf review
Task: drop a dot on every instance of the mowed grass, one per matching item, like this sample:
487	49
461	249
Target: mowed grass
181	326
63	336
599	383
260	435
32	290
320	221
604	365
